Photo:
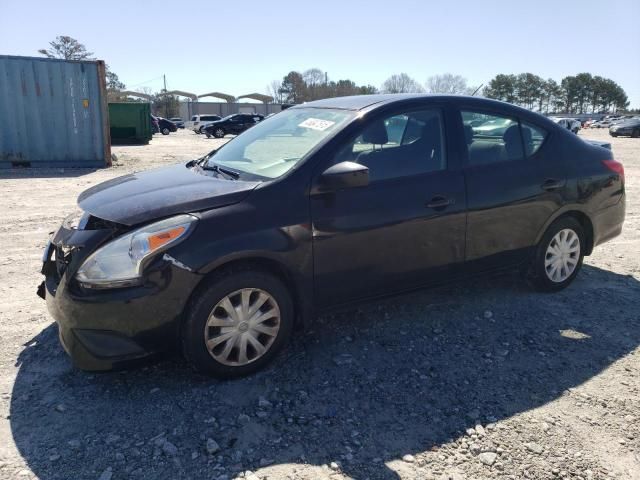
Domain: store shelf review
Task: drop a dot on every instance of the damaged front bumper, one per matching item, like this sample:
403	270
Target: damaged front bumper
102	329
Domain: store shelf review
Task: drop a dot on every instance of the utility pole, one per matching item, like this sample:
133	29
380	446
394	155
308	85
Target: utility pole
166	104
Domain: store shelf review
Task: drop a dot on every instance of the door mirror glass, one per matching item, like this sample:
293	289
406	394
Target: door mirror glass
343	176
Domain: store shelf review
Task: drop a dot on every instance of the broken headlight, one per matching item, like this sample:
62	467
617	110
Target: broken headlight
119	263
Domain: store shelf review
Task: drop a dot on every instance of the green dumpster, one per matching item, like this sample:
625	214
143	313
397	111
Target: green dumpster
130	123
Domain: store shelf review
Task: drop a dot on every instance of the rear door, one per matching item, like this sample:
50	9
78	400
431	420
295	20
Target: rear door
406	228
514	184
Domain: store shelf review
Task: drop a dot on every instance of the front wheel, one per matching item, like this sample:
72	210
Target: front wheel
558	256
237	323
218	133
166	131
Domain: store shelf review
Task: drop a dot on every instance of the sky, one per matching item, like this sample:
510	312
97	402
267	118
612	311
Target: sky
239	47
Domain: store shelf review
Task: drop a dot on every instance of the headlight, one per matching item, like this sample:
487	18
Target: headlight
119	263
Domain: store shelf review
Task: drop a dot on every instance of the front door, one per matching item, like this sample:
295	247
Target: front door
405	228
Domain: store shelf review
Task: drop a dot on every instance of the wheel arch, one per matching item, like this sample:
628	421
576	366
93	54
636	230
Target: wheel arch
300	293
581	217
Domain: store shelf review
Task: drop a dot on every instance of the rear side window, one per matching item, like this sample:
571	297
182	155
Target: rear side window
491	138
533	137
194	118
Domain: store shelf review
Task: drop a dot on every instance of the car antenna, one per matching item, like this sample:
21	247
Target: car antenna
476	90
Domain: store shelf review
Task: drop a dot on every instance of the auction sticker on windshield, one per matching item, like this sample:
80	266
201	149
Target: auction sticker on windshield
317	124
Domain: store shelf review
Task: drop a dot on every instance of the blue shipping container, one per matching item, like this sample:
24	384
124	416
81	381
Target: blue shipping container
53	113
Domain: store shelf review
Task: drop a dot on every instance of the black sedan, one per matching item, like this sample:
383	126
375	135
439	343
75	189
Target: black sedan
178	121
232	124
166	126
323	205
629	128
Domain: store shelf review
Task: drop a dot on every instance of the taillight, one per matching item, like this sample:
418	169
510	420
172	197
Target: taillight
615	167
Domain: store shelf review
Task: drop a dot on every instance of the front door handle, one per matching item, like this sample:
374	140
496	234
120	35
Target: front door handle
552	184
439	202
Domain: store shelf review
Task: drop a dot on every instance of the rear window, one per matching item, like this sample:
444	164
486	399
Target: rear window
194	118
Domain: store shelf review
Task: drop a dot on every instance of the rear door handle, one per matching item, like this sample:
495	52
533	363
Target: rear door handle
552	184
439	202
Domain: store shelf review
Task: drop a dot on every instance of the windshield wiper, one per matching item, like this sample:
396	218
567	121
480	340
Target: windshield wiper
221	170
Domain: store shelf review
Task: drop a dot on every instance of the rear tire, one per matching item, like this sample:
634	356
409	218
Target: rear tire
166	131
222	300
559	255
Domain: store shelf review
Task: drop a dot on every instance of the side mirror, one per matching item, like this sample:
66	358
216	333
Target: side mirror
342	176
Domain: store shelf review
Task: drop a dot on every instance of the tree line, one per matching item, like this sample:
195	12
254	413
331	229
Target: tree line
582	93
314	84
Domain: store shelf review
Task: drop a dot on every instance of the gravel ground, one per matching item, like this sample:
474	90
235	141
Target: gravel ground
484	379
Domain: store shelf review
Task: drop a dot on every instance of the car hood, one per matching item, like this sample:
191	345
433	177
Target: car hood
144	196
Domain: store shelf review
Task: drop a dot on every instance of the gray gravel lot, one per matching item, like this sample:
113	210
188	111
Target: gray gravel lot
482	379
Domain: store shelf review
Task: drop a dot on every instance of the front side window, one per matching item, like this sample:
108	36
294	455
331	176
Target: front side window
491	138
411	143
277	144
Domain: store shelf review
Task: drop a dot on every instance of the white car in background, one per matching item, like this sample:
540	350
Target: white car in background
569	123
198	121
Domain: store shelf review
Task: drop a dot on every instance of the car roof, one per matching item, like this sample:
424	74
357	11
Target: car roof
367	103
362	102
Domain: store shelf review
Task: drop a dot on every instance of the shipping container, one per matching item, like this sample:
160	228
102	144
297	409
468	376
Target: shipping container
130	123
53	113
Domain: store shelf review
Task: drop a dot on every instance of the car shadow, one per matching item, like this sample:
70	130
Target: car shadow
37	172
364	388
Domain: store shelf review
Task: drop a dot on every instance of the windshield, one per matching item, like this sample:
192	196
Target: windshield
276	145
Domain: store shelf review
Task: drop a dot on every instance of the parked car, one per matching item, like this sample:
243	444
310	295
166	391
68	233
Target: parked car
315	208
630	127
571	124
199	121
178	121
164	126
233	124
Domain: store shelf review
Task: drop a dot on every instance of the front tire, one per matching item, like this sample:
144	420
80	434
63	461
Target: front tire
237	323
166	131
558	256
219	133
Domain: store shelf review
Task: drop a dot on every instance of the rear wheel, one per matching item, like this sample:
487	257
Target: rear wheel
166	131
237	323
558	256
